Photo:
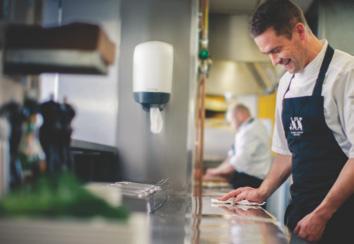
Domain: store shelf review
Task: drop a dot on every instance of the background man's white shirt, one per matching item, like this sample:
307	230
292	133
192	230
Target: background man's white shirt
252	149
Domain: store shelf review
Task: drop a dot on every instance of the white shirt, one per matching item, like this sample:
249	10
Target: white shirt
252	149
338	92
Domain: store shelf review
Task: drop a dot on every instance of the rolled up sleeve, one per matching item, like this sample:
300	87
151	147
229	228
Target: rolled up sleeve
349	110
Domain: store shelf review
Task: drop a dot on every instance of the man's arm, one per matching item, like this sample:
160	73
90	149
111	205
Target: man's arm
223	170
312	225
279	172
342	189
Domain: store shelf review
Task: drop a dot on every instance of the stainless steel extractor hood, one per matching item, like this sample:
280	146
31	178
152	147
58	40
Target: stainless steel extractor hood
241	78
74	48
238	66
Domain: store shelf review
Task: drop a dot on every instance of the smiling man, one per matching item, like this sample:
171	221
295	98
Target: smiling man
314	126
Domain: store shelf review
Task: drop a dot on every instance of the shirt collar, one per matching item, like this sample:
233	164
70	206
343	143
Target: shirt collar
248	121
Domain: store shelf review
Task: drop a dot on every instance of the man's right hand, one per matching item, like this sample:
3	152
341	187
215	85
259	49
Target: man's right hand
213	175
212	172
244	193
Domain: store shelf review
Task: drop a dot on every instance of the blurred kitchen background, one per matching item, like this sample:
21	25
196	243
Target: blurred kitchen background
111	138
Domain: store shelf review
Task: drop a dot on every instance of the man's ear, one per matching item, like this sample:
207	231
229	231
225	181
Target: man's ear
300	29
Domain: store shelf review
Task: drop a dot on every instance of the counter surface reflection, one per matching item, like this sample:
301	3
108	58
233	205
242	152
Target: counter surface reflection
196	220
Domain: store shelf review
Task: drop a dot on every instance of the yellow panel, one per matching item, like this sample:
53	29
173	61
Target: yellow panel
266	107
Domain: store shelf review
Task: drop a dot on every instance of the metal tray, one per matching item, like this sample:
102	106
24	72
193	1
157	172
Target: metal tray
143	197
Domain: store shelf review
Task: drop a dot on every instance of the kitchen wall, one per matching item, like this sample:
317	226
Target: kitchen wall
335	23
230	39
10	89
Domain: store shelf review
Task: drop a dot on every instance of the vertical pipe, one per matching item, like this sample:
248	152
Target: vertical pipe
203	69
200	117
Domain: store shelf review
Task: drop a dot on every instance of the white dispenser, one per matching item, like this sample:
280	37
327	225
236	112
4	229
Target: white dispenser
152	79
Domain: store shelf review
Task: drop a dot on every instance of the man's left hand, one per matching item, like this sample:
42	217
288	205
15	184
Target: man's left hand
311	227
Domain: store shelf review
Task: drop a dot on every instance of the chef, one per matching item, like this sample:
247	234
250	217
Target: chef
249	160
314	128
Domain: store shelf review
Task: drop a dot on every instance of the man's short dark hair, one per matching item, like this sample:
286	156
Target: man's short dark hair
282	15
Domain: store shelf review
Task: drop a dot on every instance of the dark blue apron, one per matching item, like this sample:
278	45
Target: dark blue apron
317	159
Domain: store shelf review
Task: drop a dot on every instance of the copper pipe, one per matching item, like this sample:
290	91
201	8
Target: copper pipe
200	106
200	130
198	166
200	117
204	24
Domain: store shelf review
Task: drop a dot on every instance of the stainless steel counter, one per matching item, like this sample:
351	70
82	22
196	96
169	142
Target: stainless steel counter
182	219
187	219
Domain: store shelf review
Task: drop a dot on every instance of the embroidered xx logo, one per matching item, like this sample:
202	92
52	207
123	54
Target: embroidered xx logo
295	123
296	128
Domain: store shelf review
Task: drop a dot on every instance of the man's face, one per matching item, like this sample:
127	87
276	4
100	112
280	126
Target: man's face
237	119
283	51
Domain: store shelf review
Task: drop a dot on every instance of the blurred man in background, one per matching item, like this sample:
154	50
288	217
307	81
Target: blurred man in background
248	162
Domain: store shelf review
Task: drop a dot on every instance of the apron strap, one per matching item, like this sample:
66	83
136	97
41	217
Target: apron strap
288	88
317	91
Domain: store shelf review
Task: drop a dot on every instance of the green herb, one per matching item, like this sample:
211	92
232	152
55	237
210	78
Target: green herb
58	196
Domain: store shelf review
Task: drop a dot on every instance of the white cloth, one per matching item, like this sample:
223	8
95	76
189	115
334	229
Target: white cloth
338	92
252	149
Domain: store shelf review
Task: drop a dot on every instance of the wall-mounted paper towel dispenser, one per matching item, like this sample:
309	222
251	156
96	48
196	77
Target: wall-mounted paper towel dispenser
152	78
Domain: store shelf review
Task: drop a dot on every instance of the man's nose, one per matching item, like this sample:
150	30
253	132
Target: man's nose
274	58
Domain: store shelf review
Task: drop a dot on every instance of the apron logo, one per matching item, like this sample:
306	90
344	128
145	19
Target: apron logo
295	127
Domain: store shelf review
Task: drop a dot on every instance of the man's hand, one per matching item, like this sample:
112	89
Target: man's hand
244	193
311	227
212	172
214	176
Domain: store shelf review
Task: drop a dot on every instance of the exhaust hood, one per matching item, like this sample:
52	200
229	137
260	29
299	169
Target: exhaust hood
238	66
241	78
80	48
